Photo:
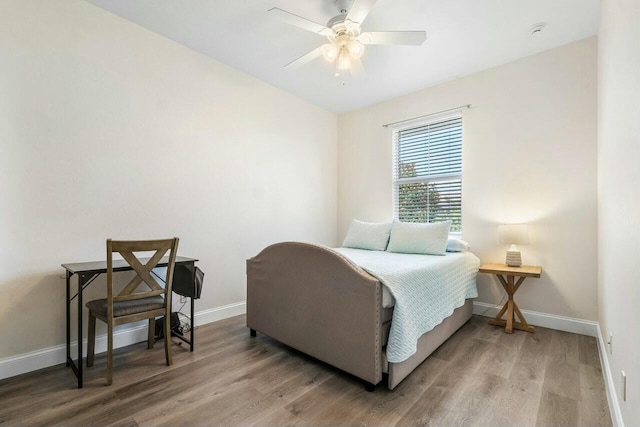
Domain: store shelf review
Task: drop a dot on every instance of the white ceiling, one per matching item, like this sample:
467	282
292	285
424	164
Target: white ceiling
463	37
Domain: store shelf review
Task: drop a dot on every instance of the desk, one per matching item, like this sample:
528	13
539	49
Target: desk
87	272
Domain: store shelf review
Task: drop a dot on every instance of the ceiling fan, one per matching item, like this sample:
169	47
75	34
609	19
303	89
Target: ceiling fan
346	41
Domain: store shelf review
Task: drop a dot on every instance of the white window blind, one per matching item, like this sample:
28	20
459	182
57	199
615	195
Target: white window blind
428	172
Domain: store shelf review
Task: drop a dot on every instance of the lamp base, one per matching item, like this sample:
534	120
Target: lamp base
514	259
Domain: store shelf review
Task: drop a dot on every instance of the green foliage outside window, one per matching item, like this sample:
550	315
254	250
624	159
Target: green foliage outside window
428	201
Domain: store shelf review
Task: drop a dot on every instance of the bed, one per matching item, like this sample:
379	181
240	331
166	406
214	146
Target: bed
332	304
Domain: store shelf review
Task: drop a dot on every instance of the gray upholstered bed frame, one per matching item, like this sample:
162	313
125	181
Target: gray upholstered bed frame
315	300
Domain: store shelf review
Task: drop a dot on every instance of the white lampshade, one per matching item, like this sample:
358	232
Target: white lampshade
513	234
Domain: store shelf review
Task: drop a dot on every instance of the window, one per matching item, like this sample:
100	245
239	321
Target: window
427	172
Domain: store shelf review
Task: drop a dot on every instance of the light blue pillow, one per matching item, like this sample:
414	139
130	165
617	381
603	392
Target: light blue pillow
457	245
424	239
373	236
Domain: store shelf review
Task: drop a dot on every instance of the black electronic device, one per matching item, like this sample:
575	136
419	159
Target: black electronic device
176	327
187	282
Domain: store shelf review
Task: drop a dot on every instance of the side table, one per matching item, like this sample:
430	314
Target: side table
506	275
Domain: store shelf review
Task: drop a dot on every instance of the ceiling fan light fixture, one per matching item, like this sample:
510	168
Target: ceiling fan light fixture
344	59
356	49
330	51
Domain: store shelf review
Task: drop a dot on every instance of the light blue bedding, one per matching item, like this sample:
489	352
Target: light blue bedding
426	288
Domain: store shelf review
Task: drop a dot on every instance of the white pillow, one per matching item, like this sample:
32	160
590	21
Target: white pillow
457	245
425	239
373	236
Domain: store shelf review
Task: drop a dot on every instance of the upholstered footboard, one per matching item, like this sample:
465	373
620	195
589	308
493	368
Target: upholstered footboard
317	301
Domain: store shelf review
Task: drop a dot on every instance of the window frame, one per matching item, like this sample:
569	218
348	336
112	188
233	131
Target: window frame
396	180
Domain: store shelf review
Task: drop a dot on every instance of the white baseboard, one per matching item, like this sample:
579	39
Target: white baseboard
219	313
51	356
55	355
612	396
551	321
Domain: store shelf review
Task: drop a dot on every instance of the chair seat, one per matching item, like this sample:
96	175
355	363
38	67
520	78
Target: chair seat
125	308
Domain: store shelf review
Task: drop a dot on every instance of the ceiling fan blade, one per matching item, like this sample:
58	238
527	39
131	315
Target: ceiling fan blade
304	59
357	69
394	37
300	22
359	10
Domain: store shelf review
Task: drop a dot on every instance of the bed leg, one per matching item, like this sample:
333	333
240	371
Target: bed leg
252	332
369	387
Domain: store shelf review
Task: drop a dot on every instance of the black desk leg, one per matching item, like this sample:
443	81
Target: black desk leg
193	325
68	317
81	280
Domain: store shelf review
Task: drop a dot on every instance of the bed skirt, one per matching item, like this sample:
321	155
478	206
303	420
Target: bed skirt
428	343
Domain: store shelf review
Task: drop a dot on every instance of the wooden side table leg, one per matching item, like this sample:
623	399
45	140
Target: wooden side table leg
497	321
501	312
509	327
509	323
523	325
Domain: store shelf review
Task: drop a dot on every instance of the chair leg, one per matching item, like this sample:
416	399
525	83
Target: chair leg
167	339
91	346
109	353
152	333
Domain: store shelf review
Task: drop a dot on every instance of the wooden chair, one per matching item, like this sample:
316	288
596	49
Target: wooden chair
131	305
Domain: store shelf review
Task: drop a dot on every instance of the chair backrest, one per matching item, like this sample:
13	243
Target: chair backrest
142	268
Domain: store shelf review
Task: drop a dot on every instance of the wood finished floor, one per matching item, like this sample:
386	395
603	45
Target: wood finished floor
479	377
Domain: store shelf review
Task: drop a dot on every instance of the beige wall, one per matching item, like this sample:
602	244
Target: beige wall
109	130
529	155
618	194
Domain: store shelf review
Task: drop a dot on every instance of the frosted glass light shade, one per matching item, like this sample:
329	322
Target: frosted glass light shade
356	49
513	234
344	60
330	51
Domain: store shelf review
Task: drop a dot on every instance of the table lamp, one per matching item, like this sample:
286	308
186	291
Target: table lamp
513	234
